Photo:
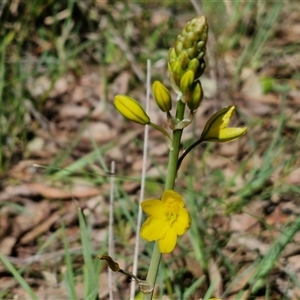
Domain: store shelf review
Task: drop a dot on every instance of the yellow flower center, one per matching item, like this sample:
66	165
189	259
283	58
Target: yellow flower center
173	208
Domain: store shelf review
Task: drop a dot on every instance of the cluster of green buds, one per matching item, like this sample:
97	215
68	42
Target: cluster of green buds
186	62
185	65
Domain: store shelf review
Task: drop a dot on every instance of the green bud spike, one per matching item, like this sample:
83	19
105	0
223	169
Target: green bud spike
188	51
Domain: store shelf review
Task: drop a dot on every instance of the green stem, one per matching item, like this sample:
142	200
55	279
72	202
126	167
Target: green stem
169	185
189	149
2	80
161	129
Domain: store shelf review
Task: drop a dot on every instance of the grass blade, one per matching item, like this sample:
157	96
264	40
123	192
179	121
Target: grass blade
69	274
272	255
90	276
18	277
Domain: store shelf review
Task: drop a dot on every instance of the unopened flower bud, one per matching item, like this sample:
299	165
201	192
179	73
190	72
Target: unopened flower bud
183	59
131	109
162	96
196	97
114	266
216	129
193	65
186	81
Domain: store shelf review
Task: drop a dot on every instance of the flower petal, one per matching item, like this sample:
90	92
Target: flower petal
216	129
168	243
170	194
154	207
154	229
182	223
226	134
230	134
217	121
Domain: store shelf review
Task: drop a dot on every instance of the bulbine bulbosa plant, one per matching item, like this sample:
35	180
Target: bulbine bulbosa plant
167	215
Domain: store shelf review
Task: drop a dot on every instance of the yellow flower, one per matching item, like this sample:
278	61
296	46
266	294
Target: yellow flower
167	219
131	109
216	129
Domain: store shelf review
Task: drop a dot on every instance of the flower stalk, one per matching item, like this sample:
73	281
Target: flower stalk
168	217
169	185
